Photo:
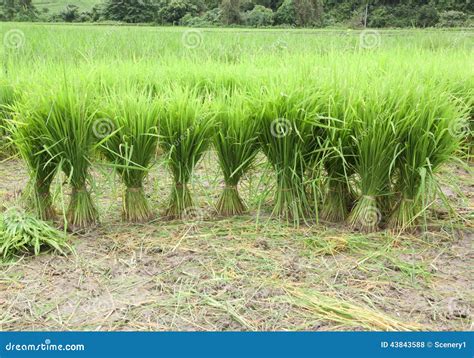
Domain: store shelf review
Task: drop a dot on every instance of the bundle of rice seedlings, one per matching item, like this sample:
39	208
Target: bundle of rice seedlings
429	137
286	139
28	138
65	120
336	156
131	146
186	126
338	165
21	233
7	98
236	143
376	148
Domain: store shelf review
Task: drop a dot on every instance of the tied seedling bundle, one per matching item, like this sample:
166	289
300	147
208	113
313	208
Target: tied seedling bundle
132	119
65	119
430	136
236	144
285	135
376	147
186	126
28	135
338	158
330	154
7	98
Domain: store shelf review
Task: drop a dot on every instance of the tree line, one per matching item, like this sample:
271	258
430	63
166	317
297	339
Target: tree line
257	13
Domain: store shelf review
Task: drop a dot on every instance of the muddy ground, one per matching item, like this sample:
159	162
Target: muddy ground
247	273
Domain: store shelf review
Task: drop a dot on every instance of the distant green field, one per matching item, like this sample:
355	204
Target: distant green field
57	5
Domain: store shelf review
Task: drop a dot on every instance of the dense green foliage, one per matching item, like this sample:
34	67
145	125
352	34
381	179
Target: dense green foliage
236	144
7	97
56	131
130	120
29	141
356	138
303	13
185	128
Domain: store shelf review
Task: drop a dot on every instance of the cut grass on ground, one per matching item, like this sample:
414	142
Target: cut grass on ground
237	274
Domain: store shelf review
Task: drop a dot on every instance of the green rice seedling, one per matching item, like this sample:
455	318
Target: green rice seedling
465	128
334	154
131	146
64	117
338	165
428	133
236	143
286	139
265	59
7	98
376	148
186	126
28	138
22	233
316	150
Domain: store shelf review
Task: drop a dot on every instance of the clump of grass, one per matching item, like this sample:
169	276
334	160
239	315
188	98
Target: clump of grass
65	120
376	148
22	233
7	98
27	135
236	143
338	160
185	128
429	140
285	135
131	146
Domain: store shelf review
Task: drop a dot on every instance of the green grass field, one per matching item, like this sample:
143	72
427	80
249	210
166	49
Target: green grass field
346	131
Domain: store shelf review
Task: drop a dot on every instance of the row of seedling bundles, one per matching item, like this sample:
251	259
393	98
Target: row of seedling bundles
366	156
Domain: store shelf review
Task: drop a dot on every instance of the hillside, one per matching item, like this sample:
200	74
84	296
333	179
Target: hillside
57	5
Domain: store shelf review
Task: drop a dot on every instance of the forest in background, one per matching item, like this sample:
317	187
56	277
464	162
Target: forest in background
254	13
